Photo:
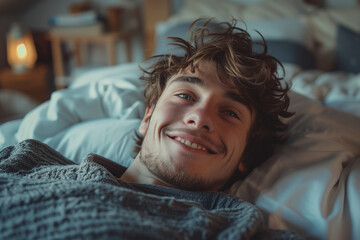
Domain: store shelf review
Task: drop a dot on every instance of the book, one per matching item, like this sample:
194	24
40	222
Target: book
90	29
74	19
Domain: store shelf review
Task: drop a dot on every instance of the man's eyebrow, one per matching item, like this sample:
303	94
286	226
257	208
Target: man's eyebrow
238	98
189	79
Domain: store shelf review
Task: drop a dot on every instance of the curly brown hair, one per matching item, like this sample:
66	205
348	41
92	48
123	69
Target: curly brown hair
253	73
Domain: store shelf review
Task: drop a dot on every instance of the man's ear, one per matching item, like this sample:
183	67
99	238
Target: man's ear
146	120
242	167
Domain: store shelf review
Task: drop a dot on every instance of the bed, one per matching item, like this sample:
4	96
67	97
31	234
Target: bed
311	183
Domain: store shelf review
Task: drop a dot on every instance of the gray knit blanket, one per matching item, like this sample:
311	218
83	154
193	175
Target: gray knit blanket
43	195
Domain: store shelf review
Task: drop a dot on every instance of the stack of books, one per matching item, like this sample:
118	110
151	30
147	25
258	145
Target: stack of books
84	23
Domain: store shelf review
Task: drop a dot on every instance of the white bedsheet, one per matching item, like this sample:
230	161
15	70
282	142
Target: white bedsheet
98	113
338	90
310	185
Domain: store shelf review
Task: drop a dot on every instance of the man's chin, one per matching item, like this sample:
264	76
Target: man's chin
176	167
174	175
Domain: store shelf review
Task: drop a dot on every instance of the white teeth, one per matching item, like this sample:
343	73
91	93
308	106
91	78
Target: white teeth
190	144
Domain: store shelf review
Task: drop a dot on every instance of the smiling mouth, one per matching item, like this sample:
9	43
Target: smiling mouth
192	144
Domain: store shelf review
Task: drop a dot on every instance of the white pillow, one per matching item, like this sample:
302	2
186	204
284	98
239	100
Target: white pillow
126	72
308	184
98	114
110	138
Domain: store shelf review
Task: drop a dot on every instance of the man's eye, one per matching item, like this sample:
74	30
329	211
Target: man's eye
185	96
231	114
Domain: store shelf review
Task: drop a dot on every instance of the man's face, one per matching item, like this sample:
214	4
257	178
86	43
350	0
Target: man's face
196	134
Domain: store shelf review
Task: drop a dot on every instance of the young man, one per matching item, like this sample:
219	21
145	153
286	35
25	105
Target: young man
212	114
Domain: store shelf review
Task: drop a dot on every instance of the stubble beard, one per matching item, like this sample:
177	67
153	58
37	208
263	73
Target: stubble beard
163	170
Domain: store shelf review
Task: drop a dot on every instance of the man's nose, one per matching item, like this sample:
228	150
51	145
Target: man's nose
201	116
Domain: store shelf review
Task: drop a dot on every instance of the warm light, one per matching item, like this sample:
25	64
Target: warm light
21	52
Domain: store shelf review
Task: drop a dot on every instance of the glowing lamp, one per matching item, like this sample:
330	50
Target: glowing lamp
21	52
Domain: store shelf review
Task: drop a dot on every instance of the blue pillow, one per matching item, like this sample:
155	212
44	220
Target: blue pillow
347	53
176	30
287	51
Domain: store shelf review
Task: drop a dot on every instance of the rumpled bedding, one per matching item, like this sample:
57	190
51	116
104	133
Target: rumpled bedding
339	90
310	185
102	106
45	196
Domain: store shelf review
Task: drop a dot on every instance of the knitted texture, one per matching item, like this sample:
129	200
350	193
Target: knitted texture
45	196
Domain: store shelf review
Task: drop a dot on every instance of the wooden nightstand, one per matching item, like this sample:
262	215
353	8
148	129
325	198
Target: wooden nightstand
36	82
108	38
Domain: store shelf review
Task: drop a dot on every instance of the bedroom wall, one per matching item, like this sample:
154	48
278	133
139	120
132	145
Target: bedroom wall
36	17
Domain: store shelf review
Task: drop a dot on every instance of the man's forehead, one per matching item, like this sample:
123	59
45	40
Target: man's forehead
201	72
188	79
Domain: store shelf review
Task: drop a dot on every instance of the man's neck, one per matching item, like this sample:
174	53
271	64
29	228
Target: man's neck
139	173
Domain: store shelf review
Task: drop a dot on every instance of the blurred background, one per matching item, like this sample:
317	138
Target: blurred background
46	44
